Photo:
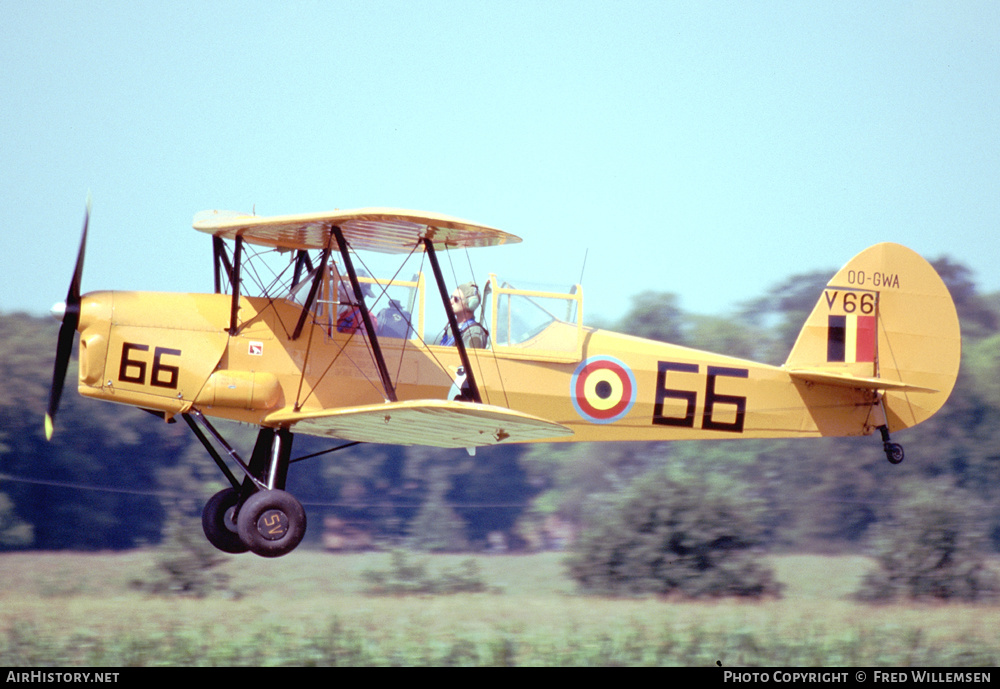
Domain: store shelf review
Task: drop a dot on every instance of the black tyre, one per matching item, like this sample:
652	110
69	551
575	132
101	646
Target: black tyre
271	523
217	521
894	453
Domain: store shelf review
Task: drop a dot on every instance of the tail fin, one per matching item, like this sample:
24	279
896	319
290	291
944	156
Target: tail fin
885	322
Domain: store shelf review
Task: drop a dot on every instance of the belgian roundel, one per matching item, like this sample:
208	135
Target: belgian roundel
602	389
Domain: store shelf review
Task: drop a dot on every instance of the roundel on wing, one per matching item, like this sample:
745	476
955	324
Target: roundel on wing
602	389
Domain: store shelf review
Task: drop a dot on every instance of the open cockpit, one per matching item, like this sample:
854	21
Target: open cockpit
527	321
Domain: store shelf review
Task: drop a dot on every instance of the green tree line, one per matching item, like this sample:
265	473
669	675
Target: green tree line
115	477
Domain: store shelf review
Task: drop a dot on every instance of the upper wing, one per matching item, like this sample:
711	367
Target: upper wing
386	230
435	423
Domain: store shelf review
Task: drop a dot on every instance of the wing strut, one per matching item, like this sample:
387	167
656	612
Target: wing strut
452	321
235	284
313	291
302	262
221	263
383	370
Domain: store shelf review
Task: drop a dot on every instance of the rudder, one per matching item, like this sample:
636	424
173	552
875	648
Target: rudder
886	315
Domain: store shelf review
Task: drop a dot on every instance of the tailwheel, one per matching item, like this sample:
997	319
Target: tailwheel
218	521
893	452
271	523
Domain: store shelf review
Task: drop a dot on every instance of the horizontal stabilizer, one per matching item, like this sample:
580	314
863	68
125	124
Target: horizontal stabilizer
858	382
434	423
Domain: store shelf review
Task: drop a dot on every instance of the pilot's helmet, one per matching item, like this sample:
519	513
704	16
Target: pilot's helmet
470	294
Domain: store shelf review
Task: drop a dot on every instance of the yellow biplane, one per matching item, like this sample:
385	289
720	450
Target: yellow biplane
880	351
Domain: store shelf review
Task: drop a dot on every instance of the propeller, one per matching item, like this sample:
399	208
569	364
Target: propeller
70	313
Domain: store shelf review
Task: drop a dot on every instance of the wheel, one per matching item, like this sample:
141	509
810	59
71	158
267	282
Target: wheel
271	523
894	453
217	521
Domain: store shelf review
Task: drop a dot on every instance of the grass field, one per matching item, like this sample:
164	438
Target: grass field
310	609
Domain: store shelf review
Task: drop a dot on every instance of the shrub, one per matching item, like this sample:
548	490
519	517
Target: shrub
185	563
933	547
437	527
406	576
666	536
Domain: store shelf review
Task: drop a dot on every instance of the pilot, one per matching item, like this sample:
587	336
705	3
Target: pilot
464	302
349	318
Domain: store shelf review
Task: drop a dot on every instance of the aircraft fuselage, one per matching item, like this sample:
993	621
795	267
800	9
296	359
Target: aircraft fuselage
173	353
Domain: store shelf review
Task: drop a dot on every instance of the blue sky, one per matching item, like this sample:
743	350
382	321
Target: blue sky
709	149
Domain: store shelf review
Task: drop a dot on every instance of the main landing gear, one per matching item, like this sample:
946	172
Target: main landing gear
255	514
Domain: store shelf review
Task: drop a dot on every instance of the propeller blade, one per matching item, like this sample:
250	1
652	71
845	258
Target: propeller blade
70	321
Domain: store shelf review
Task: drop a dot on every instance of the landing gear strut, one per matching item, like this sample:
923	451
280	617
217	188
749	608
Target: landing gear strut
255	514
893	451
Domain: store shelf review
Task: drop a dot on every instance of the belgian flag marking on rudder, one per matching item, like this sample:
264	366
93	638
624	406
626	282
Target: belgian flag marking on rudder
850	338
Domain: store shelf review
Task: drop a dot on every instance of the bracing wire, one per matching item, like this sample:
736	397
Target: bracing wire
255	266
